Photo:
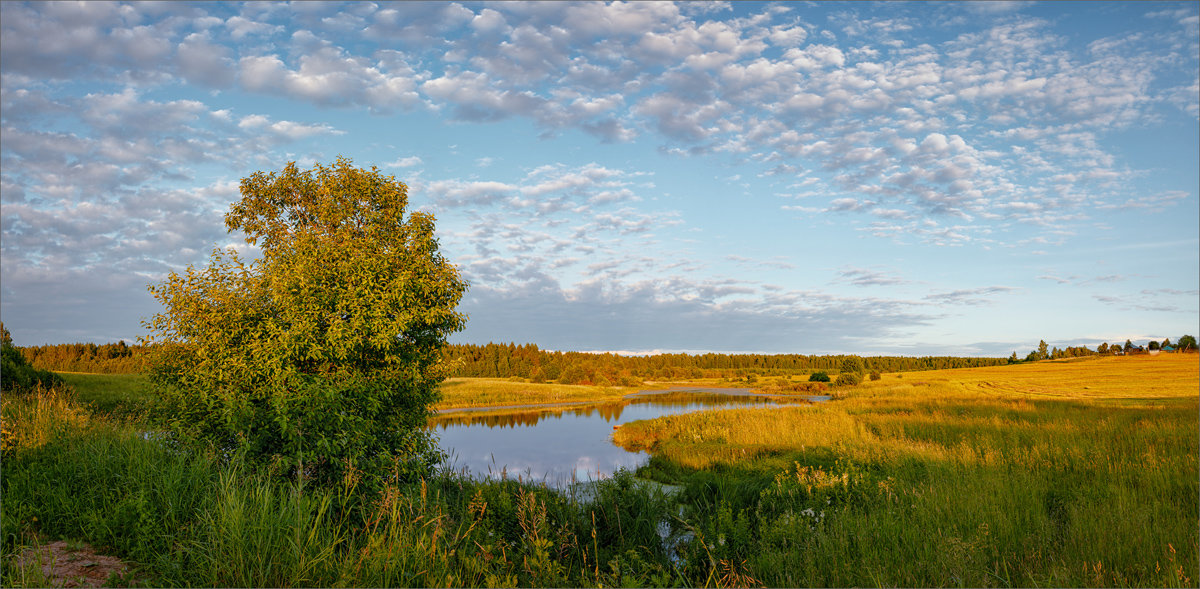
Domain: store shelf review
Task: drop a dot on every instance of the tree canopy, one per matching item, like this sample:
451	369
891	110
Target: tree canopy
324	354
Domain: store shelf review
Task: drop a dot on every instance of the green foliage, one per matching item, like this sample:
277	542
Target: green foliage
847	379
1186	342
853	365
818	377
16	375
502	360
323	356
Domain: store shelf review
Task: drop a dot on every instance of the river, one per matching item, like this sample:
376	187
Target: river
559	445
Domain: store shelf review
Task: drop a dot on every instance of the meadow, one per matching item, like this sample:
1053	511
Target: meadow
1067	473
1072	473
485	392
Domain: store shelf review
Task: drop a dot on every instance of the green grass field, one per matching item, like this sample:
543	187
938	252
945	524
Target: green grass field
1079	473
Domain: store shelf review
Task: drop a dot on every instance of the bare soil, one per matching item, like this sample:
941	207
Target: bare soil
72	564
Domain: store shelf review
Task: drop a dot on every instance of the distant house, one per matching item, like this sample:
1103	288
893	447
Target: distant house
1167	348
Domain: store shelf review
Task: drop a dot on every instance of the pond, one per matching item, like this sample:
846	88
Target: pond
559	445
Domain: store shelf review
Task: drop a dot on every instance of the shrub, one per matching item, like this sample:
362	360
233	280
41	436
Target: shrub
847	379
818	377
875	375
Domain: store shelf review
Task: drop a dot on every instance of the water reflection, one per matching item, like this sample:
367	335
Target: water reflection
558	445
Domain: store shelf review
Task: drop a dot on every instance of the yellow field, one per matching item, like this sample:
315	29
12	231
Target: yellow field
488	392
903	412
1112	377
1069	473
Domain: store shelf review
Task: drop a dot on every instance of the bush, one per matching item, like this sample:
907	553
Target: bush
847	379
875	375
818	377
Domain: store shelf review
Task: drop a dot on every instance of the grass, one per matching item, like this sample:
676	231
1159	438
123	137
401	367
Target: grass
115	394
483	392
1064	474
1055	473
186	519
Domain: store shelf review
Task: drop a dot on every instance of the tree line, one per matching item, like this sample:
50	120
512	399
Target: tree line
1186	343
528	361
118	358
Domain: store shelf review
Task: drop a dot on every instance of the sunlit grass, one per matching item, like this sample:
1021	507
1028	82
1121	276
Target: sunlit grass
484	392
1064	473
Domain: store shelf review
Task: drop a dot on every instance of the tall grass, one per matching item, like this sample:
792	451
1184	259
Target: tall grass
187	519
996	476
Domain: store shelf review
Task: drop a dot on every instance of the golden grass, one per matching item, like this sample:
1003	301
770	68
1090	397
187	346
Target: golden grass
491	392
1055	473
1109	377
30	420
928	414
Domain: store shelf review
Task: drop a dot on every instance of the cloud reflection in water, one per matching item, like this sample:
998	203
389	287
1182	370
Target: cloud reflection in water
554	444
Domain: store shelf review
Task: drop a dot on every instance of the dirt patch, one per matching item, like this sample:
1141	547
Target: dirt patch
66	564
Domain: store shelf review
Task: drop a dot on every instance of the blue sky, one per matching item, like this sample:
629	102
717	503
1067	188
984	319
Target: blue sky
892	178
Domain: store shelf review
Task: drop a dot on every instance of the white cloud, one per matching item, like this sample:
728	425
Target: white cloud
289	130
406	162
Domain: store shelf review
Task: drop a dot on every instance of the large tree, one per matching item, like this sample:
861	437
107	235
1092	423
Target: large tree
323	355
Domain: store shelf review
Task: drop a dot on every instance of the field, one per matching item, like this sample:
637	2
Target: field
1074	473
1047	474
485	392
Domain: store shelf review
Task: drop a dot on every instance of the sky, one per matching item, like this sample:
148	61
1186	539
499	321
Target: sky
893	178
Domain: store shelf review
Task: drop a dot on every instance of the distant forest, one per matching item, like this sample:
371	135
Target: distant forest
529	362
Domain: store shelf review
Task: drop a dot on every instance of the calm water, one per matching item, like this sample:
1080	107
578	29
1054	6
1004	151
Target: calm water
561	444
